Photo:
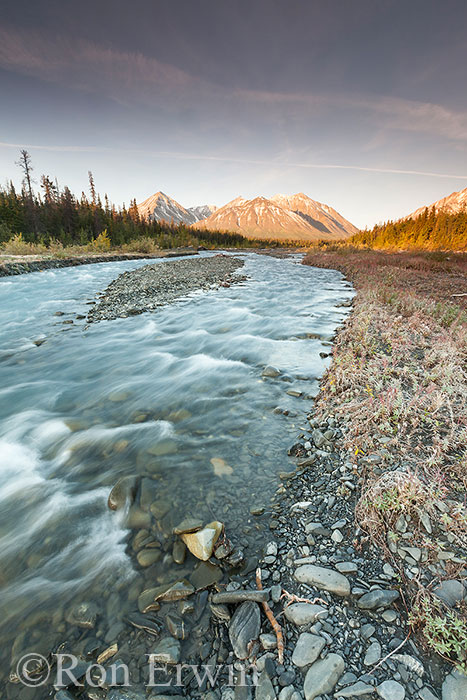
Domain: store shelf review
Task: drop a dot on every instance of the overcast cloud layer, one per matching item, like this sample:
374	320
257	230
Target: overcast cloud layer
361	105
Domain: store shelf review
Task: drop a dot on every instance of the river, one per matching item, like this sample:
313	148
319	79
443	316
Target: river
176	397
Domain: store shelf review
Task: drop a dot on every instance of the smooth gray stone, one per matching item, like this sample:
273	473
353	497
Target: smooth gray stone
451	592
244	627
373	654
307	649
454	686
324	579
355	690
265	688
391	690
323	675
241	596
379	598
167	651
304	613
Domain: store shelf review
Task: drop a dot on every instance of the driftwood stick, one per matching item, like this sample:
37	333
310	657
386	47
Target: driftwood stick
274	624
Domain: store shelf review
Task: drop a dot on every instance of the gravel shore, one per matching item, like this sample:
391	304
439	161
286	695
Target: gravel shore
151	286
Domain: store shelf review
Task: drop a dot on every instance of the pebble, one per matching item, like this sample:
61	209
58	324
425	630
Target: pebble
265	688
355	690
454	686
167	651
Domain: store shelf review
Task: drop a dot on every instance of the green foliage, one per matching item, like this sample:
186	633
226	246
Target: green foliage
430	231
444	630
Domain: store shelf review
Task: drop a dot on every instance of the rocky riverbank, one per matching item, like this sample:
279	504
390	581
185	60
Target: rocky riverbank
22	264
151	286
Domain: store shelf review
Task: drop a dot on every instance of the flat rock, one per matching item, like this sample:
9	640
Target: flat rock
265	688
455	686
355	690
270	371
188	525
379	598
123	492
391	690
323	675
307	649
304	613
324	579
373	654
244	627
451	592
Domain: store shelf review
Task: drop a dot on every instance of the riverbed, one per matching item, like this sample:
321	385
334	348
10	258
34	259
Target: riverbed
176	398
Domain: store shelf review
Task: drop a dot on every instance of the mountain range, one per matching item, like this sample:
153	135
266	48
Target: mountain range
452	204
160	207
281	217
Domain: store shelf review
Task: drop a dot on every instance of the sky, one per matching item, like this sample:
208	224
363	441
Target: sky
361	104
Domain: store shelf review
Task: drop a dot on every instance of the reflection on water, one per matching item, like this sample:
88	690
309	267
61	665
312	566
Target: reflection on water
176	398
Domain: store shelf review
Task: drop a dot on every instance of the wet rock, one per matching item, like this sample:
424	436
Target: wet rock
167	651
323	675
179	552
123	492
391	690
148	493
188	525
307	649
168	592
220	612
270	371
244	628
324	579
148	557
455	686
125	694
304	613
83	615
201	543
221	468
378	598
205	574
144	622
176	626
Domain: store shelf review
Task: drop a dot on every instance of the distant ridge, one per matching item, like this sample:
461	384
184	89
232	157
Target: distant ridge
161	207
282	218
452	204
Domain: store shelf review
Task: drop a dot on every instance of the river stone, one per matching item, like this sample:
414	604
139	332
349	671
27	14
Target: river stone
205	574
347	567
201	543
304	613
322	677
167	651
188	525
307	649
148	493
244	627
265	688
165	447
318	438
455	686
168	592
83	615
123	492
391	690
373	654
148	557
379	598
355	690
270	371
324	579
125	694
179	552
451	592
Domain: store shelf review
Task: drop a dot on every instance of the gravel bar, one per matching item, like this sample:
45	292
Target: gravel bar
151	286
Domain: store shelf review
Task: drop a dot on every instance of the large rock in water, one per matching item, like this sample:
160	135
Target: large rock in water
324	579
201	543
323	676
244	628
123	492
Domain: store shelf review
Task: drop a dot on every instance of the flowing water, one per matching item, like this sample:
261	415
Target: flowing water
159	396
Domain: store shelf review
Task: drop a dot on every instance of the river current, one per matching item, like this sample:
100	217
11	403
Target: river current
176	397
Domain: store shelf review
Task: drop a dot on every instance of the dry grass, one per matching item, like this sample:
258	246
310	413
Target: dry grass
399	385
18	246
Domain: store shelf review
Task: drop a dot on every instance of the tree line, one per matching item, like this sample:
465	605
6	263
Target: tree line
432	230
53	214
